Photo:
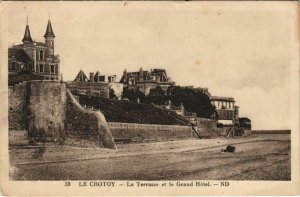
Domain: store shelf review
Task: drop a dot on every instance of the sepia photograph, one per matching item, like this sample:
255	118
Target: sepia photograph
156	94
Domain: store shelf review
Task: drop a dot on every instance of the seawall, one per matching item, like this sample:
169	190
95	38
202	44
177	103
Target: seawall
48	112
86	124
154	132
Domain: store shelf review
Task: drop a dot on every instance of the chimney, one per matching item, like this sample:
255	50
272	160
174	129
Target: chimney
91	77
141	74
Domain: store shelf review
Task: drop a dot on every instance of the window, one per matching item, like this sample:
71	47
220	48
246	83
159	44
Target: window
131	82
37	55
52	68
41	55
41	68
31	66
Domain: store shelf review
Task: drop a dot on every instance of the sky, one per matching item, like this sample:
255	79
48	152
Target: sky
239	50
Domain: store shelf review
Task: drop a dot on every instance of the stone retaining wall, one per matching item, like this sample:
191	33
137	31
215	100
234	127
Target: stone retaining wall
47	108
87	124
271	131
207	126
149	131
48	112
17	107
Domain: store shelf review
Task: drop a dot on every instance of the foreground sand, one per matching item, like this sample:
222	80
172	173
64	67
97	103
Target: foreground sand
257	157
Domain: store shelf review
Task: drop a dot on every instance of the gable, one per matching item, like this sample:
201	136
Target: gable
81	76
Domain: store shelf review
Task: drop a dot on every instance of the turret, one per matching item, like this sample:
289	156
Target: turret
49	40
27	37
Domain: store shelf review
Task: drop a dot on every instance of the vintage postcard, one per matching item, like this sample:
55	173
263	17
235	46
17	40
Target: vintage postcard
149	98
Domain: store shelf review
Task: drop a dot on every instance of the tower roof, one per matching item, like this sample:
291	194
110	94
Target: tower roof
27	37
49	31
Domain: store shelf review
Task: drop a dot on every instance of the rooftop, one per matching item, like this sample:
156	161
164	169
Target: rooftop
222	98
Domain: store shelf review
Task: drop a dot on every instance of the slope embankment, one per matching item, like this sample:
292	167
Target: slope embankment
129	112
130	121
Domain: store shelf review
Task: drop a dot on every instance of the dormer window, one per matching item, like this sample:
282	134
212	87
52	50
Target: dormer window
131	81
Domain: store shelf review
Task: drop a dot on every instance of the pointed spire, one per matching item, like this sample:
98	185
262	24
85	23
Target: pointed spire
27	36
49	31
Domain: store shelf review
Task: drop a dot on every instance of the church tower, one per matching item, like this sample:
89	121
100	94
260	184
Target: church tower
49	40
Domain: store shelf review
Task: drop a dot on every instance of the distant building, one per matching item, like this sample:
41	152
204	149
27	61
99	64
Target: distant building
146	80
34	58
245	123
96	85
95	77
227	111
98	89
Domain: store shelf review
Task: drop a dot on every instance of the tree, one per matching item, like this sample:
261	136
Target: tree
112	94
193	100
133	95
157	96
